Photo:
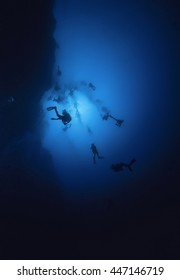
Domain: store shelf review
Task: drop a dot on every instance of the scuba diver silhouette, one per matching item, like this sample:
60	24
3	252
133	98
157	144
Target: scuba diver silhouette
91	86
120	166
65	117
118	121
95	153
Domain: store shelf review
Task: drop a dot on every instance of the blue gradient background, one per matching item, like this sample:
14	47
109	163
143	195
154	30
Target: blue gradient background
126	50
54	202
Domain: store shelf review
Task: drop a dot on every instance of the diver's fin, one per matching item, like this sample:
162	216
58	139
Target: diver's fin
132	161
50	108
119	122
67	126
129	165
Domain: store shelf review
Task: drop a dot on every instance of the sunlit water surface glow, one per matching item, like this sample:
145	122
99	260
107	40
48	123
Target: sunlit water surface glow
128	68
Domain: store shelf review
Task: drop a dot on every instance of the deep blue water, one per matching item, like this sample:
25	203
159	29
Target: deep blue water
52	194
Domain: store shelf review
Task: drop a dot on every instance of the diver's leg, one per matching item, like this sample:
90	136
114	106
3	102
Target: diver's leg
94	158
57	114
